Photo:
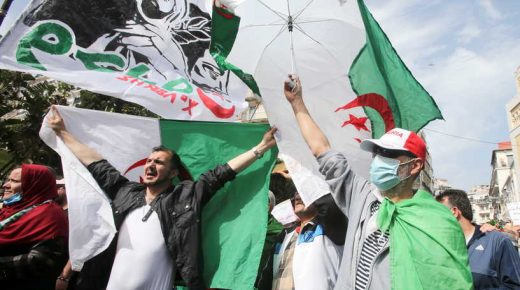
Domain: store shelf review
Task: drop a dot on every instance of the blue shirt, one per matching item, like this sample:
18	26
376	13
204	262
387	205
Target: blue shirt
494	261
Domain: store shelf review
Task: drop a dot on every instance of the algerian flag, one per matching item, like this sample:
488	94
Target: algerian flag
354	82
386	89
425	253
167	57
231	260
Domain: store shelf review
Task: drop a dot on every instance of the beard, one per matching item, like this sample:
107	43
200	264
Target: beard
158	181
406	181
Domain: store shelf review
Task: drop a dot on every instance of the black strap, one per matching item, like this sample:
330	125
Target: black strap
153	206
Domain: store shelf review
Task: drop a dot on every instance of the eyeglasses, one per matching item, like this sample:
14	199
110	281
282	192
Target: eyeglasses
391	153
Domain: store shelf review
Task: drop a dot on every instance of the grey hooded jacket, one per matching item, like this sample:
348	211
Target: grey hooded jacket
354	196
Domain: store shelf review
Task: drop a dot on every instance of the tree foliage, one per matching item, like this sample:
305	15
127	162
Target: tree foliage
25	100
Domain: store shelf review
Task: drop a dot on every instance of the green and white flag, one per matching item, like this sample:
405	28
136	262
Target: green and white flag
386	89
168	56
354	82
234	222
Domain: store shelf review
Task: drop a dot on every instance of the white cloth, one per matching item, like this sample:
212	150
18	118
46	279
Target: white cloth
142	260
284	213
91	221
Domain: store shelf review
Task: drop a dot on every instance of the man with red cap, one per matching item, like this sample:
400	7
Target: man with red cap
397	238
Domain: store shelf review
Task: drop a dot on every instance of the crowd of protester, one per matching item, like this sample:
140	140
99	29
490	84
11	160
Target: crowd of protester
377	234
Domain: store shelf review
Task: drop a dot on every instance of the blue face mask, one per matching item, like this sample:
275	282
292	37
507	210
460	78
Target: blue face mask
383	172
12	199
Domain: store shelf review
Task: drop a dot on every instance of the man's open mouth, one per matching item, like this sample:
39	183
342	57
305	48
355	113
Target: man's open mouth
151	173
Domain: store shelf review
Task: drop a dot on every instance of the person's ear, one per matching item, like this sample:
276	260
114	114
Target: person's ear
417	166
456	212
174	173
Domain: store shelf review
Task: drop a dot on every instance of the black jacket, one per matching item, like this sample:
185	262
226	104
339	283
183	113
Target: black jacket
179	210
32	266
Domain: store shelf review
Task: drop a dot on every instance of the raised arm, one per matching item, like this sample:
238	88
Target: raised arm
247	158
316	140
85	154
213	180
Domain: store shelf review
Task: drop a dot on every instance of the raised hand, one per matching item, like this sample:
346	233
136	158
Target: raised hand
293	89
55	121
268	140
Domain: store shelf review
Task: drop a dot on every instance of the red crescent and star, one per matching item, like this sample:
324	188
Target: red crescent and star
374	101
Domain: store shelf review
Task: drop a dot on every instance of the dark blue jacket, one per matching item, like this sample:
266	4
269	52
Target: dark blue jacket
494	261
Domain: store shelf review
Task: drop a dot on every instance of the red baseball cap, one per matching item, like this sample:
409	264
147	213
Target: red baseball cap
398	139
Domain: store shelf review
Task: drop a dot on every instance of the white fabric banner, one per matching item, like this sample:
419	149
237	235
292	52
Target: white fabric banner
125	141
153	55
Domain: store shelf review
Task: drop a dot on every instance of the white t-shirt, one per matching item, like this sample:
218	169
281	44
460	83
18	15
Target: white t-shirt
142	260
316	261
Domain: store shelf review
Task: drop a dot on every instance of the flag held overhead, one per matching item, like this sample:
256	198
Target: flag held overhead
377	72
170	58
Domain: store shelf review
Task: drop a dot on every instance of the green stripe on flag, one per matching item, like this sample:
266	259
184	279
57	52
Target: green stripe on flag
234	222
224	29
379	69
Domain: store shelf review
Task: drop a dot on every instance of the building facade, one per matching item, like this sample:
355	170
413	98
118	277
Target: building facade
502	187
513	118
481	204
439	185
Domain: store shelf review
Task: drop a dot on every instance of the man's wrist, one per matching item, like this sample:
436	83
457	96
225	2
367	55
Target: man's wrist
297	104
59	133
62	278
258	152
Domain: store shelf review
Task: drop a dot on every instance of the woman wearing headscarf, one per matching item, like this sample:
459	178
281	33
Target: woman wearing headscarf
33	230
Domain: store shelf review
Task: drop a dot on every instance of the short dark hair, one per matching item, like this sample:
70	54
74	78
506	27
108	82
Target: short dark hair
283	188
175	160
459	199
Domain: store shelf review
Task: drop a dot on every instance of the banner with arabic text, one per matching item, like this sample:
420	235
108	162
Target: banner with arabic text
159	54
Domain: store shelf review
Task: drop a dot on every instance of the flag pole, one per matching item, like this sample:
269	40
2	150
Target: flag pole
3	10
